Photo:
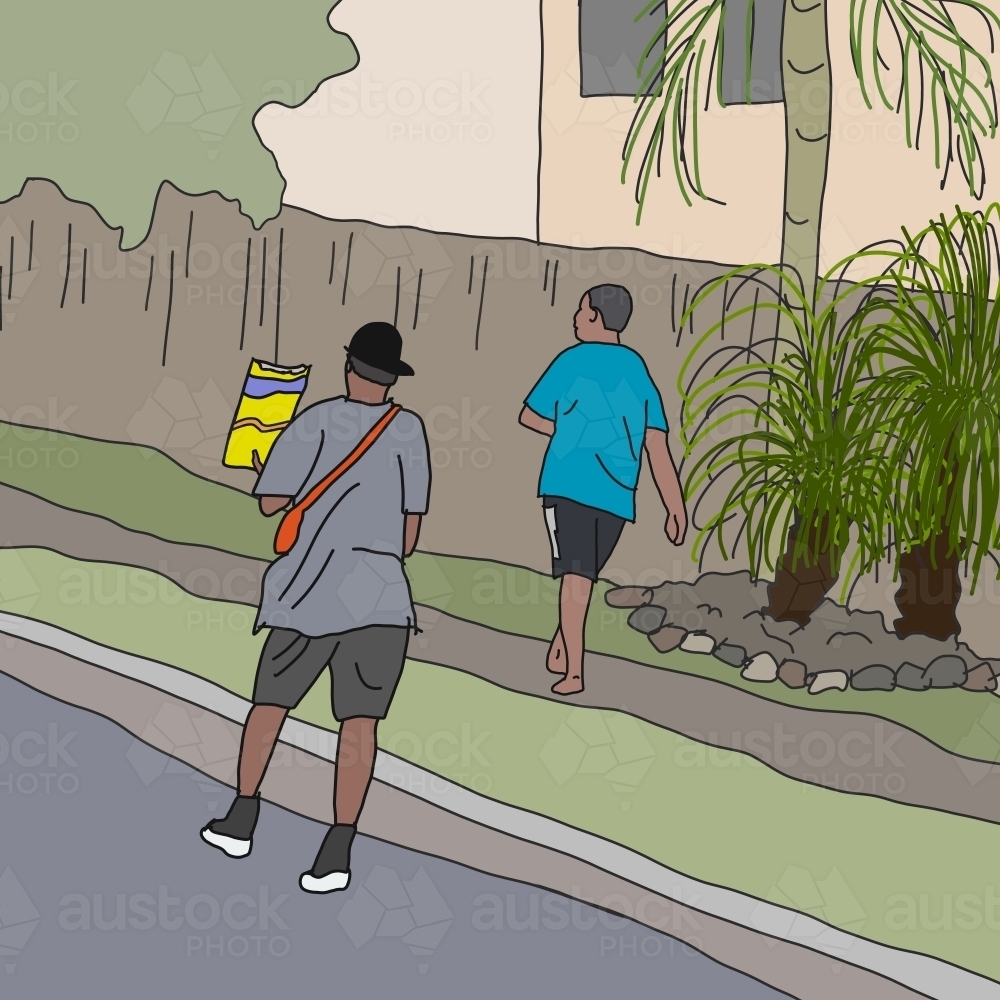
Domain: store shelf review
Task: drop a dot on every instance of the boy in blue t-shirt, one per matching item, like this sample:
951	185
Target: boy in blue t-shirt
598	405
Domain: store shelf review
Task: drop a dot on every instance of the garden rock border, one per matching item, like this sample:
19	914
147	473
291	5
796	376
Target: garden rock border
721	614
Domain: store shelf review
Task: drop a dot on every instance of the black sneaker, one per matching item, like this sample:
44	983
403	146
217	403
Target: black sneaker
331	871
233	835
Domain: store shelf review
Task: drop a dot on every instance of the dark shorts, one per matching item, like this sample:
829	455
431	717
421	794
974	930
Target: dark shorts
365	667
582	538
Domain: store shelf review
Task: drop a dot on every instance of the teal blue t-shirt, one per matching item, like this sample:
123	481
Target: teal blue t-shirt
602	400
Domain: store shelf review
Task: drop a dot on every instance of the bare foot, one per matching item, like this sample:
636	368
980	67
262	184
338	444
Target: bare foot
571	684
556	660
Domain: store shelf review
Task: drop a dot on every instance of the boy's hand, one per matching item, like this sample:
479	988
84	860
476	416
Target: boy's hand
271	505
668	485
676	526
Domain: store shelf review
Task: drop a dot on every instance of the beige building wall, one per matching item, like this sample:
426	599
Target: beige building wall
436	127
876	184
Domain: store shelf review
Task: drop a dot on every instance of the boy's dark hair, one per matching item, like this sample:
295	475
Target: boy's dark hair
613	303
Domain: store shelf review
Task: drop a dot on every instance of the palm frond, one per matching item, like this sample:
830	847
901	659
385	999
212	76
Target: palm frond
940	81
673	81
929	43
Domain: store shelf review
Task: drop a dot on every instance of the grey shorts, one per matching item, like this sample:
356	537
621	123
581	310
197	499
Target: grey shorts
365	667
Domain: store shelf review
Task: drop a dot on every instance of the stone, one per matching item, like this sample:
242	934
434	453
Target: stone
729	653
792	674
698	642
667	638
828	680
981	678
627	597
647	619
911	677
763	668
946	672
874	677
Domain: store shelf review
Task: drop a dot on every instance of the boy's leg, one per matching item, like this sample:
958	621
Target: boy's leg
583	539
355	764
574	600
260	734
289	665
366	668
556	659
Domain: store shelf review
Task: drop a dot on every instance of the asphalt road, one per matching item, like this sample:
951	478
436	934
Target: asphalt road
106	891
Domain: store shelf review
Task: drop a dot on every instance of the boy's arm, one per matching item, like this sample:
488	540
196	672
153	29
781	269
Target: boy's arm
534	422
667	484
415	473
411	532
269	505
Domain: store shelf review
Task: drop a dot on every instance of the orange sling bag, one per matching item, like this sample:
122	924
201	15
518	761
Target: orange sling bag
288	530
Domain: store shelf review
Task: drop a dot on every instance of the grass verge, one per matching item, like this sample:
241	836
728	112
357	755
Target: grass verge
875	868
143	490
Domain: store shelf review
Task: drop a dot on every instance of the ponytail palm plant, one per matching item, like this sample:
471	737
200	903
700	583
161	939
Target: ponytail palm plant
935	334
810	463
937	80
786	442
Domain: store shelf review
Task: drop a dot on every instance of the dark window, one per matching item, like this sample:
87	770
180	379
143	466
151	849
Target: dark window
765	55
612	44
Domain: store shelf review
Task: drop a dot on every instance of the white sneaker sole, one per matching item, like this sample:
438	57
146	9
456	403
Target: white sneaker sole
231	846
328	883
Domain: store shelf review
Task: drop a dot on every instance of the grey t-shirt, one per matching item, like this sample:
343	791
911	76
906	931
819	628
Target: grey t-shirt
345	571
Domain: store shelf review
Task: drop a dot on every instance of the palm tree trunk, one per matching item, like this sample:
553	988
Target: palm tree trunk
930	585
806	79
800	585
806	82
929	591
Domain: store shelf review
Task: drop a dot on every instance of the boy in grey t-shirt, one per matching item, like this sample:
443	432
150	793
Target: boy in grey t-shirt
339	597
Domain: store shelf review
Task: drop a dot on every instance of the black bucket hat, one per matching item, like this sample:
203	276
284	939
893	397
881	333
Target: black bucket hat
375	353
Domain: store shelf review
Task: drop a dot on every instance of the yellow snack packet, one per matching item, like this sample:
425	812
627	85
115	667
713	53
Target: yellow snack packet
267	405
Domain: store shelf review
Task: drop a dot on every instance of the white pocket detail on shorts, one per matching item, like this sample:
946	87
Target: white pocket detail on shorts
550	520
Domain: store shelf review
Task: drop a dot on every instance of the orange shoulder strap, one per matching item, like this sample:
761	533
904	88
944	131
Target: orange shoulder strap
359	450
